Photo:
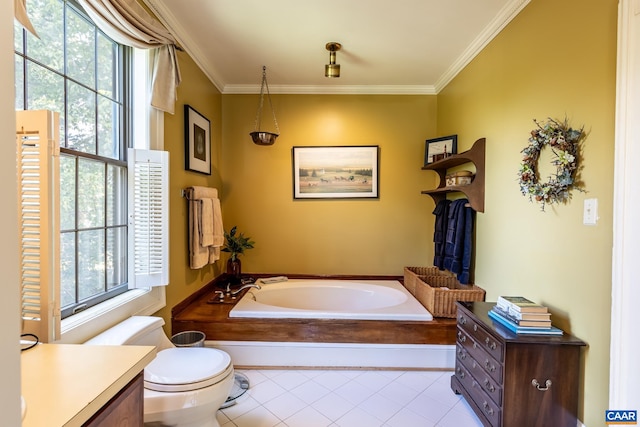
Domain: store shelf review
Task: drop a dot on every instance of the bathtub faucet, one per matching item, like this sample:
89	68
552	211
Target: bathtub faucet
251	285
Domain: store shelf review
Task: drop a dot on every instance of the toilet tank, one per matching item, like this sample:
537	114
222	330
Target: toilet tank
136	330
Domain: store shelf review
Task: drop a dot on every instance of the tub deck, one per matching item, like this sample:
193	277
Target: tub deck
195	313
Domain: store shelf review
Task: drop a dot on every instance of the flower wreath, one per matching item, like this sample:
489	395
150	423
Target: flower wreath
565	144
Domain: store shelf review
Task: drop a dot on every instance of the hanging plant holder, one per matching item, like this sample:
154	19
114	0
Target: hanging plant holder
258	136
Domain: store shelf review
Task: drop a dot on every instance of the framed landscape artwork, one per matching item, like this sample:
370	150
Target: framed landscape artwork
339	172
440	148
197	141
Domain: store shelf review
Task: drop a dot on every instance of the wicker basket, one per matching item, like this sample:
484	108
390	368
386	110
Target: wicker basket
439	290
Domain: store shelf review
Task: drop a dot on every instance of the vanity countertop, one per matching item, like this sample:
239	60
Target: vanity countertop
65	384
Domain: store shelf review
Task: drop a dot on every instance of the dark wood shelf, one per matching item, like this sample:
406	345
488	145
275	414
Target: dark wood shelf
473	191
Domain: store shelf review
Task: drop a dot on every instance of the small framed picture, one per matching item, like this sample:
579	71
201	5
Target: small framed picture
440	148
337	172
197	141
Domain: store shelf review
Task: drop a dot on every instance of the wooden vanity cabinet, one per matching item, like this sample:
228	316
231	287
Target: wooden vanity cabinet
125	409
515	380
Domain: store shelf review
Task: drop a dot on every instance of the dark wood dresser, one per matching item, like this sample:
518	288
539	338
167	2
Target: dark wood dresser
515	380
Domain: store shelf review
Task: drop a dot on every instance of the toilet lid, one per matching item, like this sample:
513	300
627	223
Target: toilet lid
187	368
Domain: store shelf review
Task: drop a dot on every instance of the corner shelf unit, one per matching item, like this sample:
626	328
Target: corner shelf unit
473	191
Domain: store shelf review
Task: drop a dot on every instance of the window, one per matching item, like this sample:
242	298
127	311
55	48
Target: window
79	72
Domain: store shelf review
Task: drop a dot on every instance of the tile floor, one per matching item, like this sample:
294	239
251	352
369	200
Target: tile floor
351	398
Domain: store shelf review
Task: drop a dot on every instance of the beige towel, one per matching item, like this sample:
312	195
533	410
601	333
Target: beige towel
200	255
206	222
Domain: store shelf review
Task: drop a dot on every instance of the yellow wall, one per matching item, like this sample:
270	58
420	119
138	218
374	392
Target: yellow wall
197	91
556	59
329	236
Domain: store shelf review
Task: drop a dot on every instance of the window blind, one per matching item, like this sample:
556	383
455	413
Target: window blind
148	218
38	157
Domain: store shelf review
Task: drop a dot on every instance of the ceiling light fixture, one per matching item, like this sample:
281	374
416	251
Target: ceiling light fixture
261	137
332	69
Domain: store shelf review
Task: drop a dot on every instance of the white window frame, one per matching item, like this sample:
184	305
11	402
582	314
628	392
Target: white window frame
84	325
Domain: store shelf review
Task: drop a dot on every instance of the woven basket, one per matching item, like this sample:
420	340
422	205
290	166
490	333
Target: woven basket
439	290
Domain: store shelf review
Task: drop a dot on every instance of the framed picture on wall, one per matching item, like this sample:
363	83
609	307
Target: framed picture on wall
344	172
197	136
440	148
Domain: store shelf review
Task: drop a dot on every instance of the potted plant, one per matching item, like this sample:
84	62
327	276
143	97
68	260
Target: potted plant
235	244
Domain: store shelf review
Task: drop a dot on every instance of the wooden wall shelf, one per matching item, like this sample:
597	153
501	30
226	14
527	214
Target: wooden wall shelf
473	191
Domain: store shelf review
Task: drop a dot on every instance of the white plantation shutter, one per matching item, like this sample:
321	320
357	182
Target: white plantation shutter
38	157
148	218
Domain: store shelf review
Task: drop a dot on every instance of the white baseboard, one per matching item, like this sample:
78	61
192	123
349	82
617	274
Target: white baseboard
337	355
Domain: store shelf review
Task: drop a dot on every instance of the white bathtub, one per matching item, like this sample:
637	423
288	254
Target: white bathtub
331	299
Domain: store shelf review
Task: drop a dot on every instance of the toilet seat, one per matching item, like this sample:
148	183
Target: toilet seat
185	369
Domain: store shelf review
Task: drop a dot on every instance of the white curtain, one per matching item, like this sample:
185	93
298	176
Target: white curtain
128	23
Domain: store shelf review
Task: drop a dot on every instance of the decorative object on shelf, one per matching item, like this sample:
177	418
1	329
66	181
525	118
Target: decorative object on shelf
332	70
235	244
459	178
335	172
565	143
197	135
258	136
440	148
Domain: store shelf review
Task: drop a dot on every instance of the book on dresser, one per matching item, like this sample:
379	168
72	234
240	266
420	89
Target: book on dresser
539	320
517	329
517	304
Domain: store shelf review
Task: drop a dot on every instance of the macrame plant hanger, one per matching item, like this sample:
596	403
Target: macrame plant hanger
258	136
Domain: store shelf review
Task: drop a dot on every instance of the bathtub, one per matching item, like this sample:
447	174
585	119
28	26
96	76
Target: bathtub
331	299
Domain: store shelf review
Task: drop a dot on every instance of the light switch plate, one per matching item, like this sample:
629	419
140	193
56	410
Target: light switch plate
590	215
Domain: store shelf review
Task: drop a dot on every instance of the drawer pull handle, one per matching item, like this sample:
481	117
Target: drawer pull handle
460	373
489	366
489	386
536	384
492	346
475	345
475	328
463	338
488	409
462	320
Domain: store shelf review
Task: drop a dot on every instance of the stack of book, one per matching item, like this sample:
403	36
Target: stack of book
522	316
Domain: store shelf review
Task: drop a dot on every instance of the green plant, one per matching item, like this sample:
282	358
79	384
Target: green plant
236	243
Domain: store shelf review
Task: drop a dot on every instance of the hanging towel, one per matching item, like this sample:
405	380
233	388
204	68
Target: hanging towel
206	222
206	232
459	240
440	231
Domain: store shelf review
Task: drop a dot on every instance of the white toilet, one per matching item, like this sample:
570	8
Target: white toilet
183	386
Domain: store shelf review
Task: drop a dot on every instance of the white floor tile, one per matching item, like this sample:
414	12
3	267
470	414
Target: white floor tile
308	417
428	408
406	417
258	417
333	406
399	393
310	391
285	405
358	418
354	392
374	380
331	379
290	380
348	398
265	391
380	407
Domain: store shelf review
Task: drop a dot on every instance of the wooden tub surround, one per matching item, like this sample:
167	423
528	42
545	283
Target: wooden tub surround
197	312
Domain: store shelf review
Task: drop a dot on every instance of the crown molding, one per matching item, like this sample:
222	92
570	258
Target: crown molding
333	89
506	15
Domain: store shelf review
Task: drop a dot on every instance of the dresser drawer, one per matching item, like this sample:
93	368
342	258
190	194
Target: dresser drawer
482	357
481	336
490	386
487	406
